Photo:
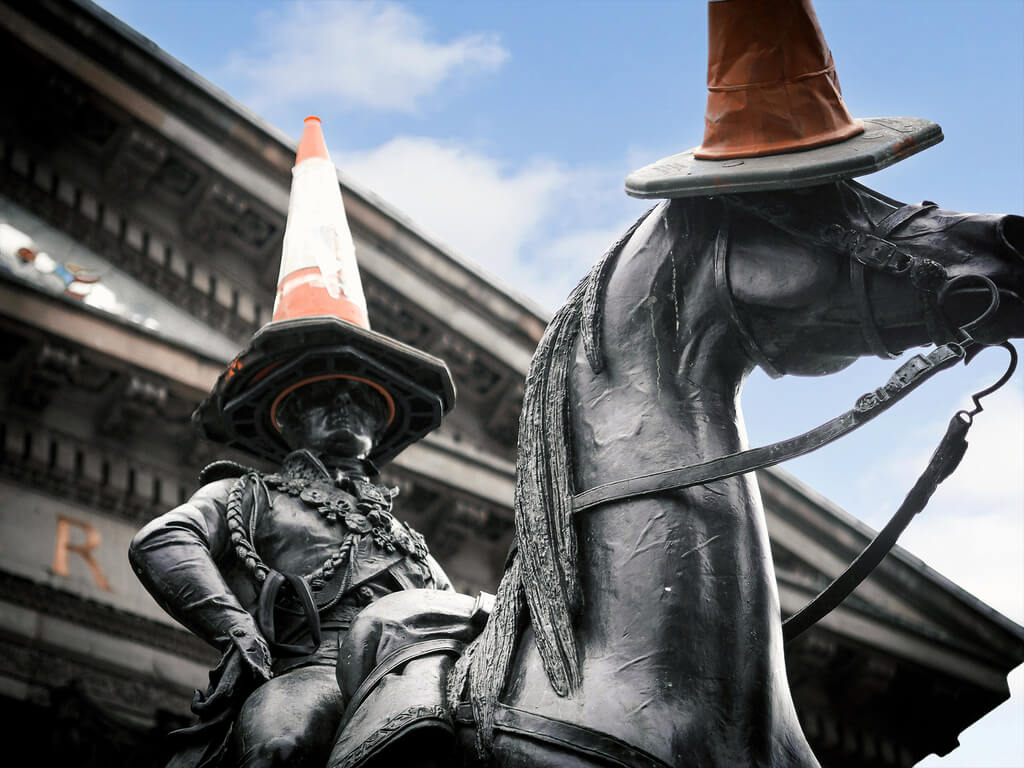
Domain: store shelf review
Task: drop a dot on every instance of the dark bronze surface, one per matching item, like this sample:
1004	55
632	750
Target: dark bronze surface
271	570
643	631
655	620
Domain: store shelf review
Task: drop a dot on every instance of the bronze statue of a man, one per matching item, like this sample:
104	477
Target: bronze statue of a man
271	568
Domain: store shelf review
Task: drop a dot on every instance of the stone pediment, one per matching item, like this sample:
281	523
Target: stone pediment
904	664
813	540
185	191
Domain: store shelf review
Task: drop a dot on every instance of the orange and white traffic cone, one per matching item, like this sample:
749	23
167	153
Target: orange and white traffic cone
320	331
319	274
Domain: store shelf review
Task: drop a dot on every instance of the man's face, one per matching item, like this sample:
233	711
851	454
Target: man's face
338	417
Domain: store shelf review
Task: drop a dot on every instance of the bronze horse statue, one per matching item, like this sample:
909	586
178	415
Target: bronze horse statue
646	630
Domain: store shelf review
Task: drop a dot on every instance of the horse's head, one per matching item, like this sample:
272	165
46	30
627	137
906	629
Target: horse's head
824	275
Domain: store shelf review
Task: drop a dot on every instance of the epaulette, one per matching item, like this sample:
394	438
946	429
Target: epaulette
219	470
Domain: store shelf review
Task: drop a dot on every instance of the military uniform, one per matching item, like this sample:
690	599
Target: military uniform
275	568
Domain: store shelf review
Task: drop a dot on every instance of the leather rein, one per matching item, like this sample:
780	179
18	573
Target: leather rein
866	251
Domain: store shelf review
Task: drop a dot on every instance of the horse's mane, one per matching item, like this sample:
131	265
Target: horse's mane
542	573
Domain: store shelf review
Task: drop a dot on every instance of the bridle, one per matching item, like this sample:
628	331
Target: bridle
868	252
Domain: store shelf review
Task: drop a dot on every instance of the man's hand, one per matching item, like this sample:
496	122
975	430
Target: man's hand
254	651
242	669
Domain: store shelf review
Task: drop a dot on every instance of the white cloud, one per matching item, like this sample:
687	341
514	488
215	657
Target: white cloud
373	55
470	200
566	259
537	228
973	530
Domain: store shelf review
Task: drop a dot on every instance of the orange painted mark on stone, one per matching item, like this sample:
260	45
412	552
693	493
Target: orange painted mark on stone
63	547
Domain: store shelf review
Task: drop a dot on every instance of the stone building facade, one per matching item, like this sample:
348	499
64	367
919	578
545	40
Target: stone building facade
141	216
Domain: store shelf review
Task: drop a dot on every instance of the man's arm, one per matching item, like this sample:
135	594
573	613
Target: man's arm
174	557
441	580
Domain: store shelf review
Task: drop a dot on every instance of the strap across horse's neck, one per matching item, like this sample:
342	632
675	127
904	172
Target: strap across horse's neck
907	378
947	456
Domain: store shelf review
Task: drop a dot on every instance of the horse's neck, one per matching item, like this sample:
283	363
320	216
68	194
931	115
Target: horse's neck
668	393
685	565
676	625
640	553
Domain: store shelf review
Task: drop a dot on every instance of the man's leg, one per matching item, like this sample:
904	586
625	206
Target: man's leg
290	720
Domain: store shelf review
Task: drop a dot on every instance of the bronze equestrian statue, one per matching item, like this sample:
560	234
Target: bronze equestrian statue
638	621
272	568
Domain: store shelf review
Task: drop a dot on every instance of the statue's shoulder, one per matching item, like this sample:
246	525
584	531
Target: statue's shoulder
223	470
219	482
406	539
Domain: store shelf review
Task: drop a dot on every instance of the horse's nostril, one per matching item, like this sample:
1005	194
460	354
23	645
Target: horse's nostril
1011	230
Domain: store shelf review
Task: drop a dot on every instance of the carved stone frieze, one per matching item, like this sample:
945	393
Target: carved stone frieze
48	105
447	539
37	376
85	224
103	618
176	177
393	316
132	405
134	161
473	373
89	473
41	667
224	217
503	422
871	681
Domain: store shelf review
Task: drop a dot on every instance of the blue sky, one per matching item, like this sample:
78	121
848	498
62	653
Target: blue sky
506	129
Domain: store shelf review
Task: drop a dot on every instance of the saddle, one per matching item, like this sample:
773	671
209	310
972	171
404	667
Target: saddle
392	669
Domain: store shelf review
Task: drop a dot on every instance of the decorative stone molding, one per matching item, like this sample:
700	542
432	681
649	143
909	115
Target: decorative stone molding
103	618
114	692
134	162
476	375
70	467
223	217
127	243
503	423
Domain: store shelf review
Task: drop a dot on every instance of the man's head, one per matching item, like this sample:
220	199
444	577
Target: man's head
338	417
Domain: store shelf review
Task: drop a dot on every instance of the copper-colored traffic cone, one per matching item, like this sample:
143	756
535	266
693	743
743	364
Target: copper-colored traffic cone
772	84
775	118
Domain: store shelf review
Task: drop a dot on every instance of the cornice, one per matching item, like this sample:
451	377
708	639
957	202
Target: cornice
178	106
902	585
104	618
485	383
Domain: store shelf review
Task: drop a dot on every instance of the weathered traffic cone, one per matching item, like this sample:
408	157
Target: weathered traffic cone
775	116
320	330
772	83
319	274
